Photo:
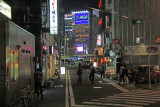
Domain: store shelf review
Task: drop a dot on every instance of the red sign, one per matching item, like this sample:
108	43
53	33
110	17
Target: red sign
116	41
157	39
100	4
100	22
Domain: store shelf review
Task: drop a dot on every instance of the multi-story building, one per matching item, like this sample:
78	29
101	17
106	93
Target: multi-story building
69	38
81	31
135	23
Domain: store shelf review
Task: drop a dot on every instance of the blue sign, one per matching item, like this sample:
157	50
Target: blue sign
79	45
81	18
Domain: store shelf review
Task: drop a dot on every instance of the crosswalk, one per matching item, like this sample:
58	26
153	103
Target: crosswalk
135	98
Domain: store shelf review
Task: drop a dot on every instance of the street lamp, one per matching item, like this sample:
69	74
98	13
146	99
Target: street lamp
67	45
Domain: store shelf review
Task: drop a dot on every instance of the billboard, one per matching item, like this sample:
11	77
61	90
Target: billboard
80	47
96	12
5	9
80	17
67	16
99	40
53	17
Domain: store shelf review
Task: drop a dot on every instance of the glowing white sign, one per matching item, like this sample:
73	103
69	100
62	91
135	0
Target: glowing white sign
63	71
99	40
53	17
5	9
80	49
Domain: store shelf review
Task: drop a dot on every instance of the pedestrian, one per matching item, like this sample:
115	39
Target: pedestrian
92	72
90	69
38	82
122	74
126	75
102	70
79	73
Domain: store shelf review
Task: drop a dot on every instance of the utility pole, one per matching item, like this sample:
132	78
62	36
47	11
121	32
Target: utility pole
65	48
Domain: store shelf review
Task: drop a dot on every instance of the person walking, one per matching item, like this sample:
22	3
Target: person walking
122	74
38	82
126	75
92	74
79	73
90	68
102	70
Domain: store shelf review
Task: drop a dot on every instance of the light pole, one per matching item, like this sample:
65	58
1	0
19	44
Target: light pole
67	45
148	50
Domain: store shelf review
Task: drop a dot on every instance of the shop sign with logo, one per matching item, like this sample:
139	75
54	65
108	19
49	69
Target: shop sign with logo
116	41
5	9
142	50
53	17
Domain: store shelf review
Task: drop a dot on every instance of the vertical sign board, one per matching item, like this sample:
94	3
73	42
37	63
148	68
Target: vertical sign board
53	17
99	38
5	9
63	70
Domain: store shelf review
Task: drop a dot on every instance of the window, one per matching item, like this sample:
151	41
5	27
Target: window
14	66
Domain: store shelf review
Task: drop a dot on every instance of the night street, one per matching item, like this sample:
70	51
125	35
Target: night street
79	53
104	93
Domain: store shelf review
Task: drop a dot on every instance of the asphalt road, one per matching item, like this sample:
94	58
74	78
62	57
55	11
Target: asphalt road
104	93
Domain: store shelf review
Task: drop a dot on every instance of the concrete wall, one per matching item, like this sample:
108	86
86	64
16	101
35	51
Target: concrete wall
147	11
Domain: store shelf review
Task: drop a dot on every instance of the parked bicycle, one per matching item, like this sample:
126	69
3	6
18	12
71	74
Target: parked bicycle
27	97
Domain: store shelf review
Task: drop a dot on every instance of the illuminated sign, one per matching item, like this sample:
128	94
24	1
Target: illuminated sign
100	4
96	12
81	17
5	9
63	71
99	40
53	17
67	16
80	47
141	50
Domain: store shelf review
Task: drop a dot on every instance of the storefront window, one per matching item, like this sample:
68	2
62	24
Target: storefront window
110	62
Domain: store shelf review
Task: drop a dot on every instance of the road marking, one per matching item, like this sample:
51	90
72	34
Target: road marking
110	104
120	88
67	97
114	84
58	86
113	100
71	91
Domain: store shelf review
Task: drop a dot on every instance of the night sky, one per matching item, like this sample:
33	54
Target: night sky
70	5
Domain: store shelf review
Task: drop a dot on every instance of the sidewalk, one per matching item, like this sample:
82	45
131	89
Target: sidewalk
54	96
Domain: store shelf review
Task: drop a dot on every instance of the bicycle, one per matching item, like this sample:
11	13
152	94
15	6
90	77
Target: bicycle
27	97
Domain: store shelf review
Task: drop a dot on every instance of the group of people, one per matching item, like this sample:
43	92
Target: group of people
124	76
91	74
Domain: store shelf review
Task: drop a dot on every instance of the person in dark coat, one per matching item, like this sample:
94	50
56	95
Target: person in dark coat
92	75
38	76
122	74
102	70
79	73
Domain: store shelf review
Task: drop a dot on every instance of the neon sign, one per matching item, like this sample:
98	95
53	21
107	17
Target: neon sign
81	17
53	17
